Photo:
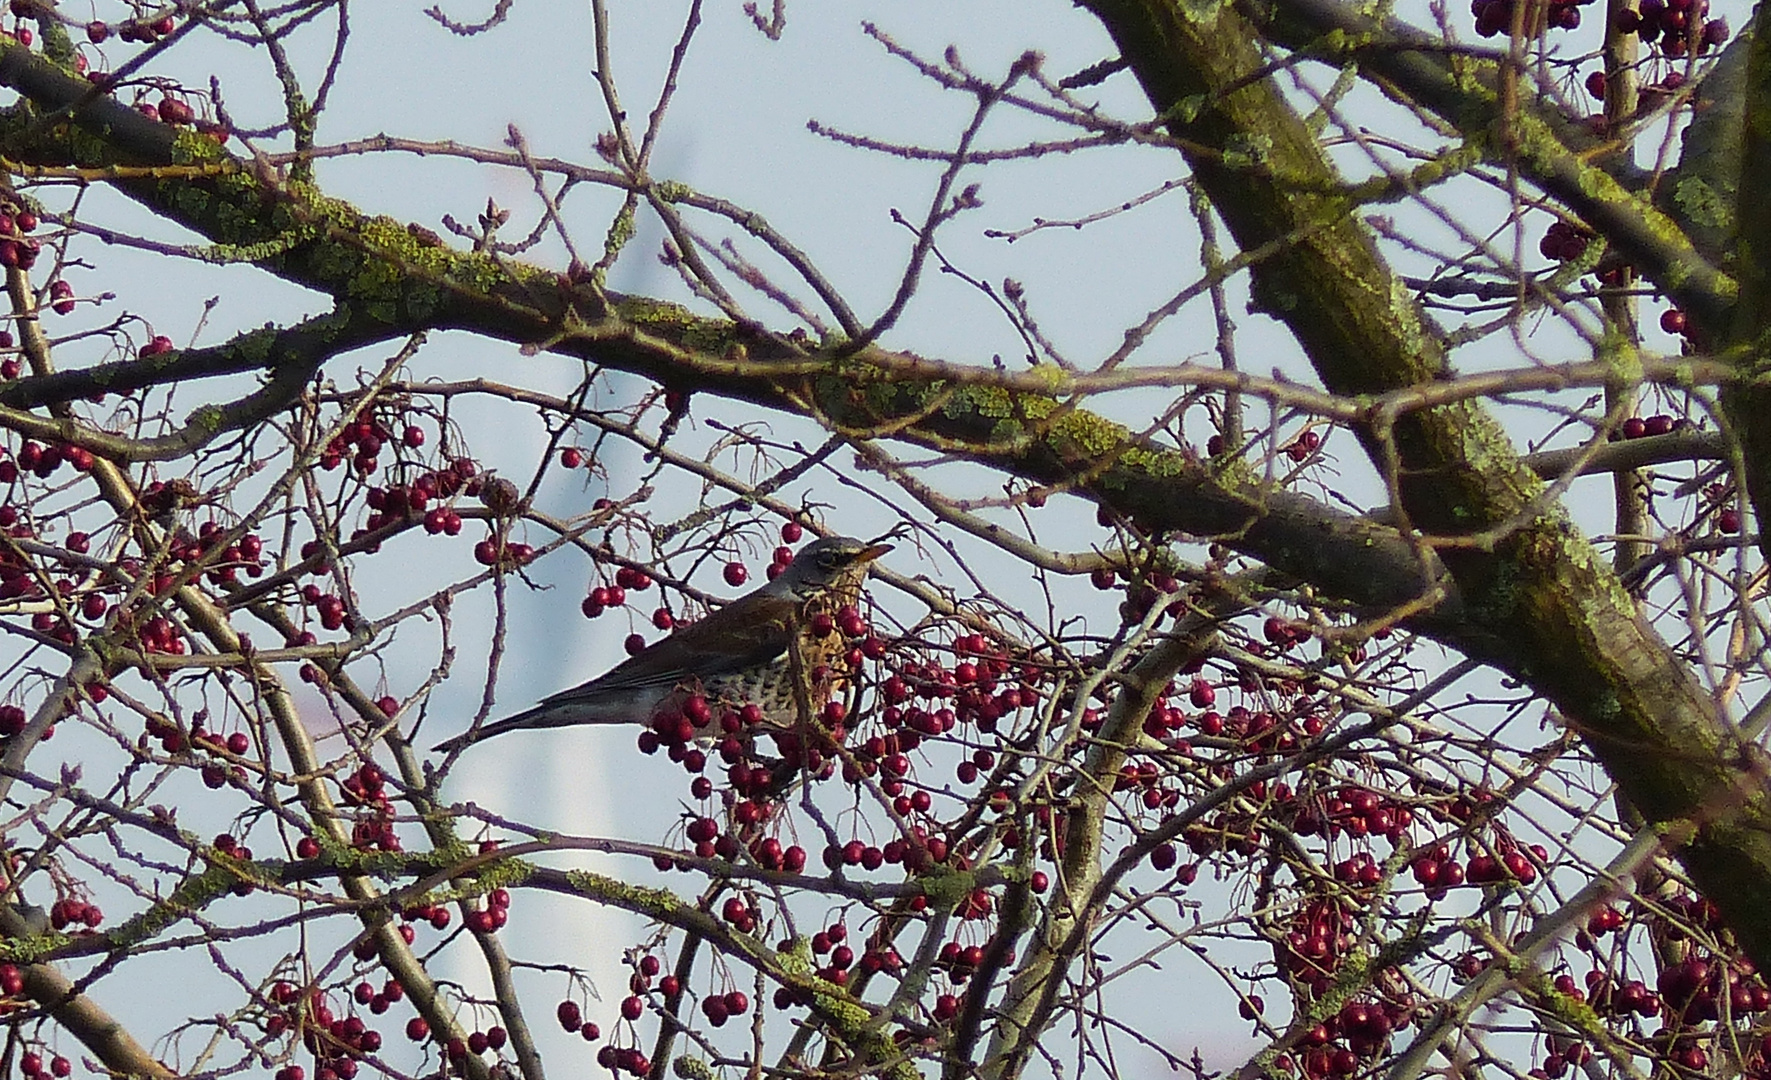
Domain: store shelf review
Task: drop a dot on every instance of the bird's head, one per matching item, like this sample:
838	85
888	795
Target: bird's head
832	562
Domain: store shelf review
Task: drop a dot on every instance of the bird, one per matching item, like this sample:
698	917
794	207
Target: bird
742	654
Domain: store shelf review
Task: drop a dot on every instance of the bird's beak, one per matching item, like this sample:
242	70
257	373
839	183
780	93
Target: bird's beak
870	553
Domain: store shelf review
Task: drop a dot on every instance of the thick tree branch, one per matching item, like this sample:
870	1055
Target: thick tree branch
307	344
1747	406
1576	635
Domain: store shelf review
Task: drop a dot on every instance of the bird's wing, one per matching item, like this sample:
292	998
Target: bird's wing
750	631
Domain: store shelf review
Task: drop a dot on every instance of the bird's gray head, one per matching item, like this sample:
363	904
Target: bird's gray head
832	561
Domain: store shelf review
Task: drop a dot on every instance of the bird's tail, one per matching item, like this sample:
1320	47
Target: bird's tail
532	718
474	735
549	714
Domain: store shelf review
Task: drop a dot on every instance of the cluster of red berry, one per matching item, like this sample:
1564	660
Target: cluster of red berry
227	844
571	1017
1496	16
42	460
1565	241
396	506
215	774
630	1060
12	721
1677	26
1644	427
17	248
366	789
1358	1033
30	1063
604	597
363	439
1319	939
145	31
170	110
338	1043
75	911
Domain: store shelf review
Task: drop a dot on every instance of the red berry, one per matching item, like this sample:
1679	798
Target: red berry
418	1029
569	1015
571	457
176	111
1672	320
736	574
1162	857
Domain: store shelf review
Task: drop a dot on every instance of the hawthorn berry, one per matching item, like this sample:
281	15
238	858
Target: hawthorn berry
569	1015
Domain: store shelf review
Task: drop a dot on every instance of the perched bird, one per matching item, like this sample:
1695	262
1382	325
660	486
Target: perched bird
738	655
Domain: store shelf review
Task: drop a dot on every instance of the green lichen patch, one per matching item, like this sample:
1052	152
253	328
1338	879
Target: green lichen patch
1702	204
678	324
